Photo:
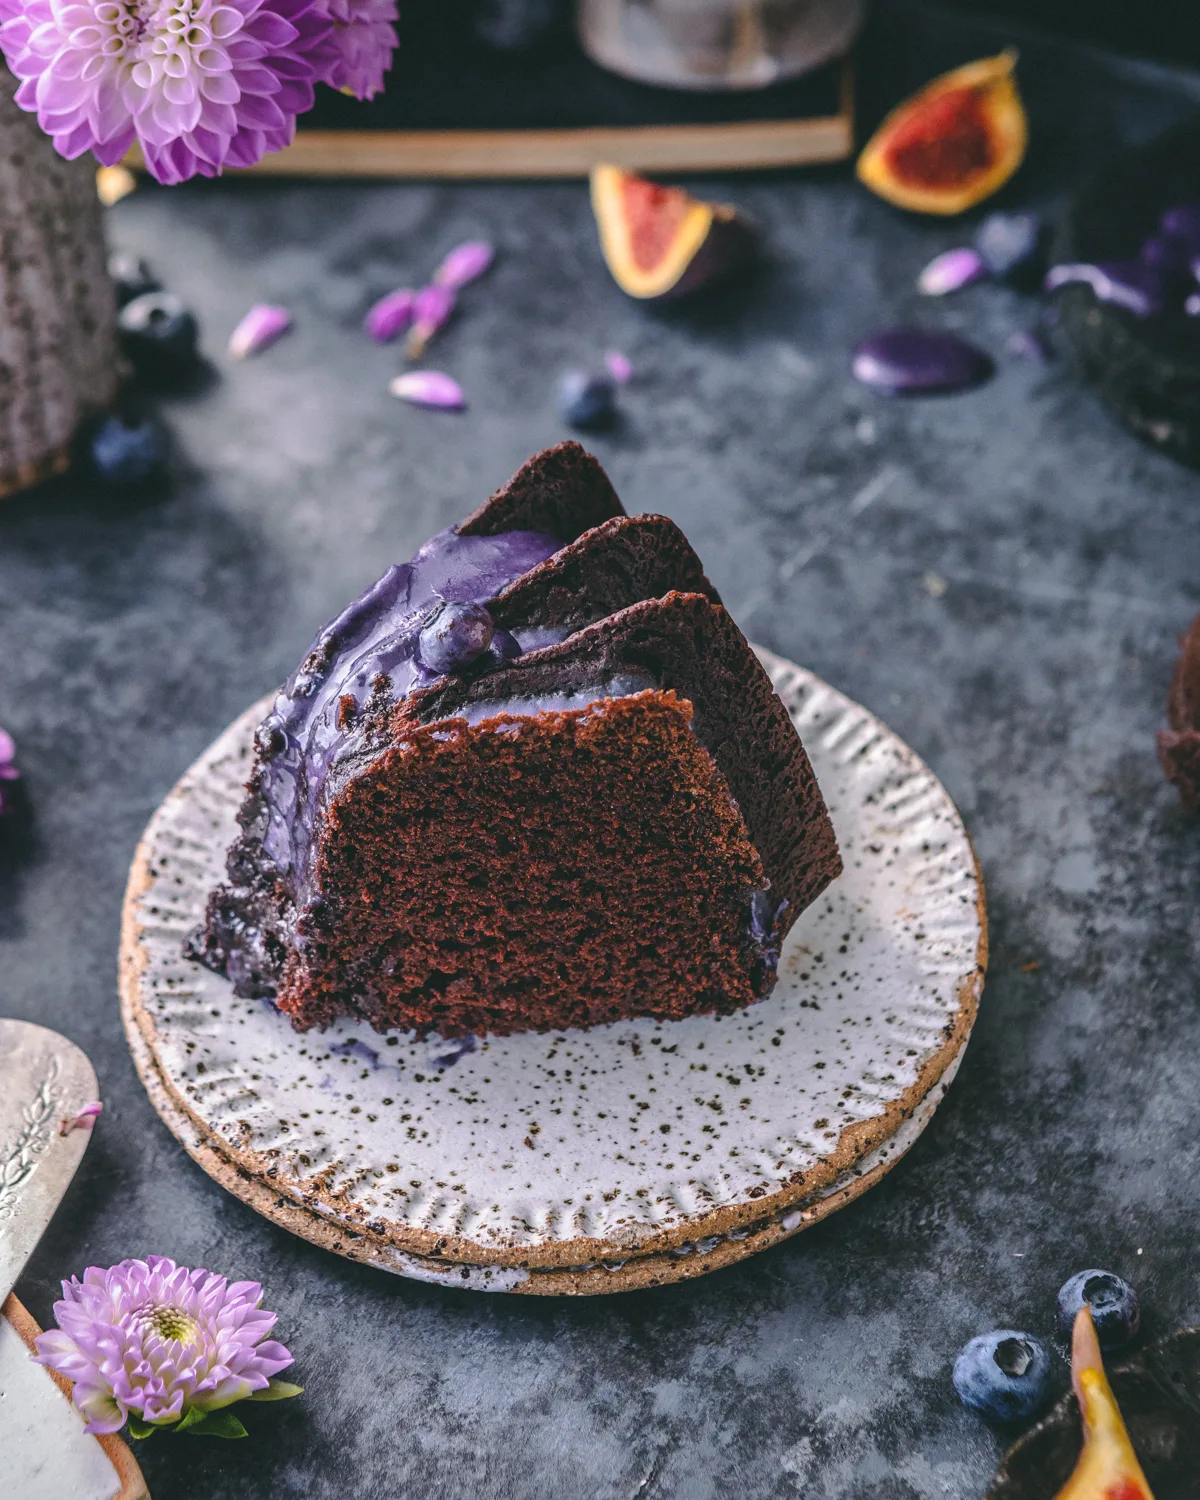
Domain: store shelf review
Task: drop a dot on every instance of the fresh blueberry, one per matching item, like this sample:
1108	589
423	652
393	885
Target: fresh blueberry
1009	243
131	276
1114	1303
587	401
127	452
453	636
158	333
1004	1375
504	648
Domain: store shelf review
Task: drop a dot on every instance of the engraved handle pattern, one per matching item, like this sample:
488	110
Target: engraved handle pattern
19	1161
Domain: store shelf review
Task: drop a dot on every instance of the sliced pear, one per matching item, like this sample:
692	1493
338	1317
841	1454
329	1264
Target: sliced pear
1108	1468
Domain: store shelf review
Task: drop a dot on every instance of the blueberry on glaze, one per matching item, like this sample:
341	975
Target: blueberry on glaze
127	452
158	333
587	401
1004	1375
504	648
454	636
1116	1312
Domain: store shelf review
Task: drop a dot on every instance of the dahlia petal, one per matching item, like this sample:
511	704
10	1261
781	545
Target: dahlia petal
55	1346
272	1357
73	144
258	80
263	114
272	29
103	1411
111	152
221	88
225	22
207	145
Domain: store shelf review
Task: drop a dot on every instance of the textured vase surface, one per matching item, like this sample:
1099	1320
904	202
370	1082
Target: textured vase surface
58	354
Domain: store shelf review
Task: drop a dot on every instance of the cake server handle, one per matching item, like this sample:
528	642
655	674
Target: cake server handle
46	1083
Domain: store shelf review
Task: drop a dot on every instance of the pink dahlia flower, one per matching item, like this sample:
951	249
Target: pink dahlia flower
199	83
364	36
155	1341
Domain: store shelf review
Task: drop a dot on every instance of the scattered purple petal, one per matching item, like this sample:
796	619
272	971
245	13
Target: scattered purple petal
1124	283
950	272
916	360
1191	307
465	263
260	328
391	315
432	308
429	388
8	769
618	367
1028	344
84	1120
355	1048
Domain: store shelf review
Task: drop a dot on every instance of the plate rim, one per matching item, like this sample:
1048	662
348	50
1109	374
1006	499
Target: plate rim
561	1266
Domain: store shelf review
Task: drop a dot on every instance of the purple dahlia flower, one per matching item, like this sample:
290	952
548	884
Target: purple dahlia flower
364	37
198	83
154	1341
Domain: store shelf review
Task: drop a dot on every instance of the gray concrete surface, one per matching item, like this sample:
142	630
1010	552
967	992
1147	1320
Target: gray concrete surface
1001	575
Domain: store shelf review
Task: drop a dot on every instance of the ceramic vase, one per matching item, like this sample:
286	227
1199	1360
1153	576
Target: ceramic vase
58	351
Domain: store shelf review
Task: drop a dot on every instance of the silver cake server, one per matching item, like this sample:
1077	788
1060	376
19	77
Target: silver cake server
45	1083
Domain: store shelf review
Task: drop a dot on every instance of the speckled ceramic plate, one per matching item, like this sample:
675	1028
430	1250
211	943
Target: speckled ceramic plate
582	1161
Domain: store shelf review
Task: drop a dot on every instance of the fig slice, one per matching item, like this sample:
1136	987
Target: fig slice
952	144
1108	1468
660	241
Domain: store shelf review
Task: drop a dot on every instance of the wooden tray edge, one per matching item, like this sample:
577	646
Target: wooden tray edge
744	145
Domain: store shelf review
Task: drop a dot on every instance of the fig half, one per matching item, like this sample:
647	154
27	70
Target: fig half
952	144
1108	1468
660	241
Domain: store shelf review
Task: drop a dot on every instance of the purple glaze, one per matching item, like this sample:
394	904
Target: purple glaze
919	359
371	646
453	1051
355	1048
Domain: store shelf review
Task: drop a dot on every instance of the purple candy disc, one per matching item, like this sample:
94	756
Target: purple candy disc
919	359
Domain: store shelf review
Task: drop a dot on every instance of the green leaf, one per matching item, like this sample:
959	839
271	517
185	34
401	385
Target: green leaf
192	1418
219	1424
277	1390
140	1429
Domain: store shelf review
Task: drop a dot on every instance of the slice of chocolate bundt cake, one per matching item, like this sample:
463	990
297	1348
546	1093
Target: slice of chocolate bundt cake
534	778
